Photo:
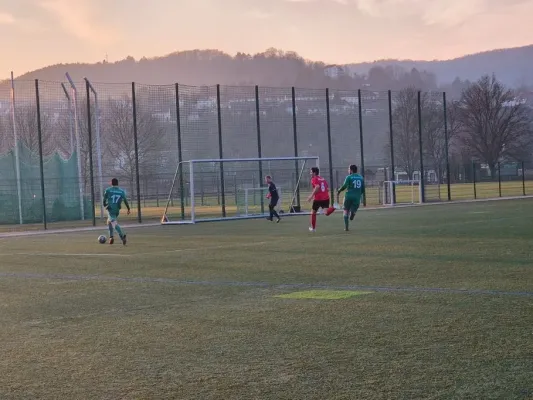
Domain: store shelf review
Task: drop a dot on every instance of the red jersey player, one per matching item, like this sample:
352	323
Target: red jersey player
319	196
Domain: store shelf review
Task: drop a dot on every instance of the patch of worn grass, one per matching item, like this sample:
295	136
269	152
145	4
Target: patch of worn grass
323	294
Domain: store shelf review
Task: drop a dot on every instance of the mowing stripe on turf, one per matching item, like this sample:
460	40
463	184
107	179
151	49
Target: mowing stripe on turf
279	286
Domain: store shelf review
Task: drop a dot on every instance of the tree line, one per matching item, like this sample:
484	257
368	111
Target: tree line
488	124
270	68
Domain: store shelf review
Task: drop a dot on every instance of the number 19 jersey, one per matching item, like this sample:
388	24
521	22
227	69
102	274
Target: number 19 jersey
323	192
354	185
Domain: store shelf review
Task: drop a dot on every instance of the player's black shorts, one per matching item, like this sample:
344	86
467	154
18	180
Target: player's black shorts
273	202
317	204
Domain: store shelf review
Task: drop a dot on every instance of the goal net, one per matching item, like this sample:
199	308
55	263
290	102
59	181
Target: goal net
249	200
226	189
401	192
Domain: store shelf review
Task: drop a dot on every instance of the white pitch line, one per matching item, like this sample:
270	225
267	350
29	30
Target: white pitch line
66	254
219	247
6	235
134	254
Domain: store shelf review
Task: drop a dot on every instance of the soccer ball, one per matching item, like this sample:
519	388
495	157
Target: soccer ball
102	239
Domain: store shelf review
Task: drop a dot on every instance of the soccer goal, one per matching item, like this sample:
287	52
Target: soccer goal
228	189
401	192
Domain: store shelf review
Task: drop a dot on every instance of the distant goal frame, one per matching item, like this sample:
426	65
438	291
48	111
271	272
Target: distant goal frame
389	192
193	219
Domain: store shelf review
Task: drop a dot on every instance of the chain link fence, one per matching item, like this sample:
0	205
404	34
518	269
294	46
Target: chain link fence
62	142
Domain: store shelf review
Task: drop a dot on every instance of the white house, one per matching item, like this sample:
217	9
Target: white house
334	71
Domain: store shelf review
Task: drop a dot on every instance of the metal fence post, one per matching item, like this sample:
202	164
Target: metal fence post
499	179
136	144
393	175
360	110
259	149
295	138
221	153
330	155
523	179
98	145
446	145
180	151
40	137
474	178
421	149
90	137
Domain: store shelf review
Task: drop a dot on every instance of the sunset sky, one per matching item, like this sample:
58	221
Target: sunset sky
37	33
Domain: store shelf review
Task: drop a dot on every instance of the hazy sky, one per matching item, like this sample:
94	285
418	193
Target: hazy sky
36	33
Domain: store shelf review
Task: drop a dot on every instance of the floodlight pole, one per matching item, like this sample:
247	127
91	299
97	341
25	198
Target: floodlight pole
71	132
78	147
98	145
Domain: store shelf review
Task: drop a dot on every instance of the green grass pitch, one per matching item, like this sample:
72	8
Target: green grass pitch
429	302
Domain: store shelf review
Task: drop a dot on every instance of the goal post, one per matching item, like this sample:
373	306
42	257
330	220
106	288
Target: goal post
401	192
234	188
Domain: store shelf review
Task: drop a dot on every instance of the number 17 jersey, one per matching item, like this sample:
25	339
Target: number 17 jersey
113	198
323	192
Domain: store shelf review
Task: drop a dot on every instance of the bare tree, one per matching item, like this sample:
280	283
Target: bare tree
494	125
83	132
405	131
27	129
63	125
6	135
434	134
120	141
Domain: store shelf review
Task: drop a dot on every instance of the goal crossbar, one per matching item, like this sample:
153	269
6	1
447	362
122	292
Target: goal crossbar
223	160
181	176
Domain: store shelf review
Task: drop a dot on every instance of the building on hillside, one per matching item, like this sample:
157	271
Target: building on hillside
334	71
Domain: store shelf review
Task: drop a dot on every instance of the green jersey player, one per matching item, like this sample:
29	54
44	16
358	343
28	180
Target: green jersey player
113	198
355	189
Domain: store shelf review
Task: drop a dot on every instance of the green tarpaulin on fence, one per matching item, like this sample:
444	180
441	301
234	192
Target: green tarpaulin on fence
62	190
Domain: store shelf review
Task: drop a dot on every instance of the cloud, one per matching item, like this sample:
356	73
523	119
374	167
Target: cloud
258	14
23	25
445	13
6	18
437	12
80	21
